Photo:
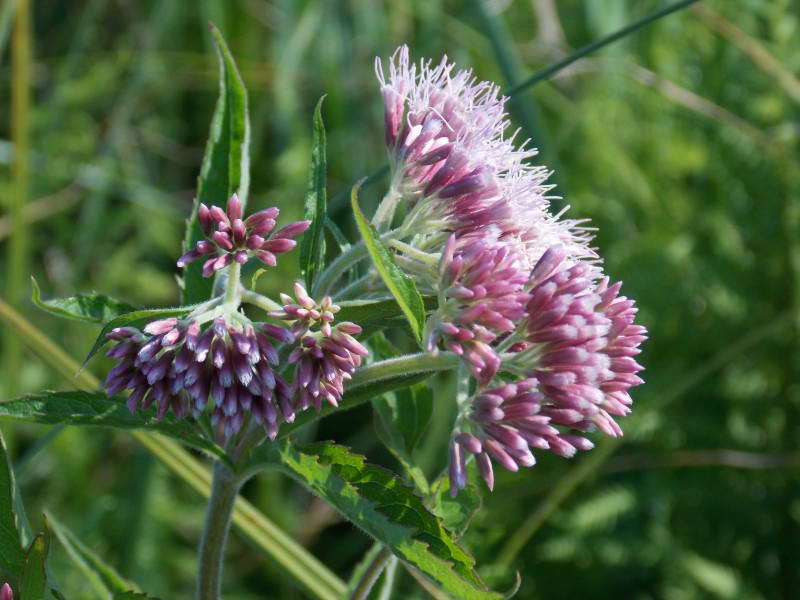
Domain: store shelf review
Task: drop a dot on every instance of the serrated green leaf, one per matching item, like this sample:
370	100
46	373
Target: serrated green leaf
456	513
89	308
95	409
378	502
312	246
133	318
103	578
33	582
12	557
400	285
226	163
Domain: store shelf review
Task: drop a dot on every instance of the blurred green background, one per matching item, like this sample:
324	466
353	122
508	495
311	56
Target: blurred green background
679	142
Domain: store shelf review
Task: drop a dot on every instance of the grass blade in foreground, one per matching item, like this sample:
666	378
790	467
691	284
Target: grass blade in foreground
400	285
226	164
380	504
88	308
312	246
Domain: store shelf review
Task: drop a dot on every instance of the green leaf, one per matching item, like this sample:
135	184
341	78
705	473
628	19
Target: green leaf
95	409
456	513
367	312
377	501
352	397
133	318
33	582
103	578
89	308
400	420
12	557
400	285
226	164
312	246
338	235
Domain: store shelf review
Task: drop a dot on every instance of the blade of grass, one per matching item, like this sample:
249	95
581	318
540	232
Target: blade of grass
543	74
750	46
16	256
298	563
591	463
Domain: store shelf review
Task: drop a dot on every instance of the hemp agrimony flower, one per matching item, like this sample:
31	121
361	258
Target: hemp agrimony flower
520	291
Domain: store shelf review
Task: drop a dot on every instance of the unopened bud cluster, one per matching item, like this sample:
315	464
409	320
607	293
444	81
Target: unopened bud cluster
229	238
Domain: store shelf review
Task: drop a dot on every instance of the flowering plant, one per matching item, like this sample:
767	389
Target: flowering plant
462	269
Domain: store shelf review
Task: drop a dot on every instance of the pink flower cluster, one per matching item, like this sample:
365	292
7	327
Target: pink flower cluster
522	294
233	365
230	239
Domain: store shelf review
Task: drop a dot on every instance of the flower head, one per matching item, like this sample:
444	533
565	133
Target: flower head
6	593
481	285
505	422
327	354
229	238
453	162
181	367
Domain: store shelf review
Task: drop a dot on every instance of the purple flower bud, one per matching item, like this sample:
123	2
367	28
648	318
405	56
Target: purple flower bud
234	208
204	219
292	230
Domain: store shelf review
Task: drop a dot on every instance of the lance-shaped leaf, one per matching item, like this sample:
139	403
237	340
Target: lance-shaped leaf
226	163
378	502
400	285
134	318
95	409
102	577
33	582
312	246
12	557
89	308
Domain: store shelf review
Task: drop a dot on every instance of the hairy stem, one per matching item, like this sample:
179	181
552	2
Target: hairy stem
370	576
224	489
337	268
232	287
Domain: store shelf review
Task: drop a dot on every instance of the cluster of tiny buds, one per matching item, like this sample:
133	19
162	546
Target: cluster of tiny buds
229	238
327	355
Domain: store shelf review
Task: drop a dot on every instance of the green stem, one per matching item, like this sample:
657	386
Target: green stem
358	287
232	287
388	581
224	489
371	574
262	302
337	268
